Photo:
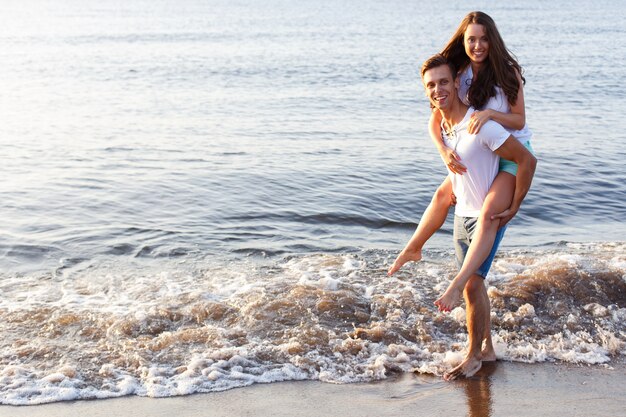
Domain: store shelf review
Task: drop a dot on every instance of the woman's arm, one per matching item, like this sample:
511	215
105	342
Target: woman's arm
515	120
449	156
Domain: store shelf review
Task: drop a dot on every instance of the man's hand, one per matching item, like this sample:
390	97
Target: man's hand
505	216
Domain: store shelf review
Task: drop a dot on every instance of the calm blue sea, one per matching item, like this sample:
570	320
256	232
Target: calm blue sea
199	195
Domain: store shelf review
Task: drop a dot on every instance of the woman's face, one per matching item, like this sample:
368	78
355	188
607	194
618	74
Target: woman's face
476	43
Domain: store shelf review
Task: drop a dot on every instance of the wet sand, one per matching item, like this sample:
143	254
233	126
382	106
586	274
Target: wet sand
500	389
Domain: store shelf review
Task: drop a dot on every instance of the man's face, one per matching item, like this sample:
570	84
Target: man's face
441	88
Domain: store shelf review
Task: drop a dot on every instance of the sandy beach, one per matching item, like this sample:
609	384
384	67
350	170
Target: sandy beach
500	389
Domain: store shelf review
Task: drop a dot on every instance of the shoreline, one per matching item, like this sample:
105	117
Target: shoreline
499	389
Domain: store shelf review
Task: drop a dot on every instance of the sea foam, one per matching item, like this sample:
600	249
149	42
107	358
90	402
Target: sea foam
177	329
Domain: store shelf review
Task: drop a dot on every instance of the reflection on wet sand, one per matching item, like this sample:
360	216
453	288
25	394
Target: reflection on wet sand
478	391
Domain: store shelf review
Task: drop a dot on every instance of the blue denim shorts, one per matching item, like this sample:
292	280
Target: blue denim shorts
510	166
464	228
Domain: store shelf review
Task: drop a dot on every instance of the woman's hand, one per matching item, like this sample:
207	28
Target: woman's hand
478	119
452	160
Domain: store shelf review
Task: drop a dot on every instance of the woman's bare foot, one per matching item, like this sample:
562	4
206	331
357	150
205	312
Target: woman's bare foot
404	257
467	368
449	299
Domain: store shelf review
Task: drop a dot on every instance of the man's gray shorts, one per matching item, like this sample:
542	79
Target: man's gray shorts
464	228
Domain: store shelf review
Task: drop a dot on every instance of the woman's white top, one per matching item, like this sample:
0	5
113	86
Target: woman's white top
497	103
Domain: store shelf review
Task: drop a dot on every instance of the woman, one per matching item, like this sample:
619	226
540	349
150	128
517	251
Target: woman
491	81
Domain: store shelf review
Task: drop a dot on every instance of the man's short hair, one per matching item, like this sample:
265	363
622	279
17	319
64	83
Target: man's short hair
437	61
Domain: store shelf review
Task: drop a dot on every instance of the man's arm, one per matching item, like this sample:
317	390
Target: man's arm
514	151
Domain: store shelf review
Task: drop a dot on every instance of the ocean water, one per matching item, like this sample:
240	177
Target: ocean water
203	195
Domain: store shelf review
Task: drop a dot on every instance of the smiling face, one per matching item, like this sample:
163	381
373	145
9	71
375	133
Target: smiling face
476	43
441	87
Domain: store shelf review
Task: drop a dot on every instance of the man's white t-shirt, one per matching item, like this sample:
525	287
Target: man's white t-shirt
477	154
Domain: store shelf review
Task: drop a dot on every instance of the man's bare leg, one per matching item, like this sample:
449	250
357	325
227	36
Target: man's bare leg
488	353
477	316
433	218
498	199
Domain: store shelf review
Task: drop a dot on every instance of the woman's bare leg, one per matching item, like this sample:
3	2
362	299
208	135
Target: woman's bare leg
433	218
498	199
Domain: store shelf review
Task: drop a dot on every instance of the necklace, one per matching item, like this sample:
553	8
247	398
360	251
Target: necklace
451	133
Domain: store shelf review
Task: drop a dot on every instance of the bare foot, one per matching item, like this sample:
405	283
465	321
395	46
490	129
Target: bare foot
488	354
449	299
404	257
467	368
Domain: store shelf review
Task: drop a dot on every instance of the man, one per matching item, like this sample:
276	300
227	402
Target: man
480	153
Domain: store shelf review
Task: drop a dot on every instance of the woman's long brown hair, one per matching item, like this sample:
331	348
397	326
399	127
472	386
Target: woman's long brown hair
501	69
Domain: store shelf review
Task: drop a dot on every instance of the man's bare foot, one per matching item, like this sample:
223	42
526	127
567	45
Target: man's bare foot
404	257
467	368
449	299
488	354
